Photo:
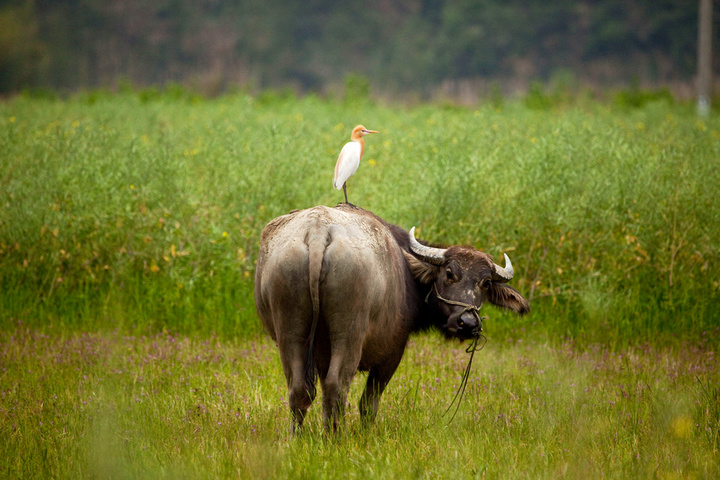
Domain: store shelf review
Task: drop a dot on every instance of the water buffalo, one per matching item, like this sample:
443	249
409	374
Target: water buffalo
340	290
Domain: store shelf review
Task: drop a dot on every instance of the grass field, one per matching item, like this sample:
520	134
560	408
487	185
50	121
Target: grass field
131	348
164	406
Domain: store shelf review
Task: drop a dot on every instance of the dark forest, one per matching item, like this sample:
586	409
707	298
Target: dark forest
398	46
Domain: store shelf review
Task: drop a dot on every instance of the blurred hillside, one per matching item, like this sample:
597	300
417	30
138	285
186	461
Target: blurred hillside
419	46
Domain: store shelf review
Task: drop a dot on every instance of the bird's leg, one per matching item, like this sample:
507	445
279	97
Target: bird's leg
345	192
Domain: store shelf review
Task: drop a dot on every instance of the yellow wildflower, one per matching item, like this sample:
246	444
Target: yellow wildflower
682	426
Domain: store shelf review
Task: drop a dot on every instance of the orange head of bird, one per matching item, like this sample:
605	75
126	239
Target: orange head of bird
360	131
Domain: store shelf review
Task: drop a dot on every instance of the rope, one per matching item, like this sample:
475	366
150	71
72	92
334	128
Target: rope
471	349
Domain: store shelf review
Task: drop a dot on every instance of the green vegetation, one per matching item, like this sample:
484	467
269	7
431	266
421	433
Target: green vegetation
143	211
130	346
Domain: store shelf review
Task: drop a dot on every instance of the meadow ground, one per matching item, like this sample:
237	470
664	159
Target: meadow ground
129	225
165	406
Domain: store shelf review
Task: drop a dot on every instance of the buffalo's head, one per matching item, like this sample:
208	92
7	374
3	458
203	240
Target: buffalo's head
461	279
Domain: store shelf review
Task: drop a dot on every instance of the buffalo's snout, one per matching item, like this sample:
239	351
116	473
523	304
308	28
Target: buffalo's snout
465	325
467	320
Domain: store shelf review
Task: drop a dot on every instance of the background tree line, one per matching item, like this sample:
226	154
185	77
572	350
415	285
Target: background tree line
400	46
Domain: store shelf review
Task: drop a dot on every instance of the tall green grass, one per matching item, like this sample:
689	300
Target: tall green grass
143	211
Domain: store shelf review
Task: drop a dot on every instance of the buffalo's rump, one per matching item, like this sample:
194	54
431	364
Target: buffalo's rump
359	280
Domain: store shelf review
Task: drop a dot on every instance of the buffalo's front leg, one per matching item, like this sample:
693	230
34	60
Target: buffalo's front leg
378	378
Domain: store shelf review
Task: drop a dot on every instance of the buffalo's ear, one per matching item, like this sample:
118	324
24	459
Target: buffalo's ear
505	296
424	272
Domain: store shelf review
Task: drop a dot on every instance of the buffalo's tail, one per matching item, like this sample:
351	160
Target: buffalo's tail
316	242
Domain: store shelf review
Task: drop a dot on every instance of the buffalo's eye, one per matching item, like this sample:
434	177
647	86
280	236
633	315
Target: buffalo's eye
485	283
449	274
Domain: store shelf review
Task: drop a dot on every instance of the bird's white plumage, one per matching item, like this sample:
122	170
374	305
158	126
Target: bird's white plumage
347	164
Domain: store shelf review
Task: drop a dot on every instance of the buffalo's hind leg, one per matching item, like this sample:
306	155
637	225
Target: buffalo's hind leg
301	395
301	385
336	383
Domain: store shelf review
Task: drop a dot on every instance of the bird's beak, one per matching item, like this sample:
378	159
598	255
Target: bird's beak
370	131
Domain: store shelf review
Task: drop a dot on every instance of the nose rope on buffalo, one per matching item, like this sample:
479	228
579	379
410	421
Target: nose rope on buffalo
474	346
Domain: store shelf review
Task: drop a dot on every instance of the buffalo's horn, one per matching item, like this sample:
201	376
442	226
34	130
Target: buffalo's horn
504	274
433	255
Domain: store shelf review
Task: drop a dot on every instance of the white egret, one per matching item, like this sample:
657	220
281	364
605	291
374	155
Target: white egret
349	158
